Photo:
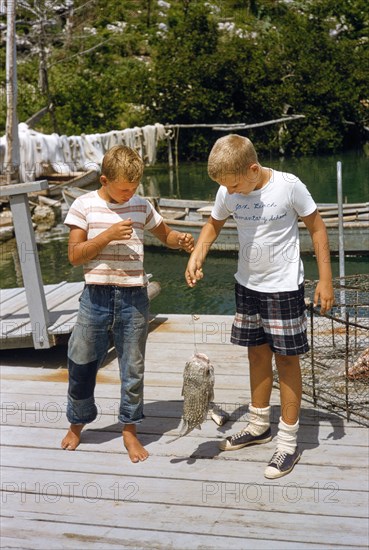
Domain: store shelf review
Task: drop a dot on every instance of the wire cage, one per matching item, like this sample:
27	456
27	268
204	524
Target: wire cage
335	372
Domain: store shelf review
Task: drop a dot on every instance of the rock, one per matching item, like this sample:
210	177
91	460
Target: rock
6	233
44	218
6	218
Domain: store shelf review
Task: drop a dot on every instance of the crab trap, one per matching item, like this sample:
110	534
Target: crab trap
335	372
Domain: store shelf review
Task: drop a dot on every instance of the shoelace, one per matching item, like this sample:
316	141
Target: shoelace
238	434
278	458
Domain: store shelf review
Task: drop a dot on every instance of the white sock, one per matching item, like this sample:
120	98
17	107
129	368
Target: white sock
258	420
287	437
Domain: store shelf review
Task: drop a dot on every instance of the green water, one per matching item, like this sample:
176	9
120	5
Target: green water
213	295
319	174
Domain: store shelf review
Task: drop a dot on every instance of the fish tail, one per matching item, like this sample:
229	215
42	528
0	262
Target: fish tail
185	430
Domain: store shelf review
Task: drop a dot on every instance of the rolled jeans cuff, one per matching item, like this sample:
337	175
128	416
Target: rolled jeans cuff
124	420
81	411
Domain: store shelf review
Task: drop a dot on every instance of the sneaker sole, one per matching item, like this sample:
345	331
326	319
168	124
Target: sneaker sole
281	474
223	446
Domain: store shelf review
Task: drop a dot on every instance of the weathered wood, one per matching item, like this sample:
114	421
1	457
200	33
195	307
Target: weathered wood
349	478
61	302
187	494
12	159
31	271
195	519
23	188
162	421
67	535
236	126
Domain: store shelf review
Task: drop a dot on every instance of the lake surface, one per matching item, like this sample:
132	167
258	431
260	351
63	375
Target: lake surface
215	293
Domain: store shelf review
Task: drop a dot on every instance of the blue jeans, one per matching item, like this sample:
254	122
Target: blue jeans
105	310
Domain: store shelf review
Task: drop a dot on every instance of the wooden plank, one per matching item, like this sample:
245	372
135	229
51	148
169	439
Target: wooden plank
157	392
49	536
52	416
189	448
170	379
195	520
48	406
19	305
188	492
62	303
23	188
8	294
17	329
215	471
41	535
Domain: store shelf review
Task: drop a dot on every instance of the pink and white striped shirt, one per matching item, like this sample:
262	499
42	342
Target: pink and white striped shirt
120	262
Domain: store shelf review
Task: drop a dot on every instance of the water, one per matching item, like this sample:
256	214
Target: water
215	294
191	181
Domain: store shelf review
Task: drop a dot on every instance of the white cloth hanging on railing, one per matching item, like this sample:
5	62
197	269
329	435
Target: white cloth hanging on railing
42	154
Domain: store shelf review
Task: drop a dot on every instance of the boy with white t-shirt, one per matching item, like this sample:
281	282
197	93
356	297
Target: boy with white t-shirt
106	237
270	309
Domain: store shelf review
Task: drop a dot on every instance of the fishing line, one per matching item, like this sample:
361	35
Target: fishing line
194	318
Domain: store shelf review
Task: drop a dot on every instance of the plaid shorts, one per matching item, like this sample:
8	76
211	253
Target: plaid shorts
275	318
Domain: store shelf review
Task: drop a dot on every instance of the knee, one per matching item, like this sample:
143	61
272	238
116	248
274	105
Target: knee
82	379
289	361
258	353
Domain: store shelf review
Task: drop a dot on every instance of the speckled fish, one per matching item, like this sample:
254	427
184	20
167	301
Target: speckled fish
197	391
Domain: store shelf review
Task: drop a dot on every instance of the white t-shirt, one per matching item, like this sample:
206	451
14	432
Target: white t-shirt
267	223
120	262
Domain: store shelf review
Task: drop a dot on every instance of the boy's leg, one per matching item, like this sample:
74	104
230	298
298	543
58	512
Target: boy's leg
290	383
285	323
130	334
247	331
257	430
87	349
261	375
287	453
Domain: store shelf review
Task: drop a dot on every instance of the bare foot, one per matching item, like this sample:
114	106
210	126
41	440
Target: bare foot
135	450
73	437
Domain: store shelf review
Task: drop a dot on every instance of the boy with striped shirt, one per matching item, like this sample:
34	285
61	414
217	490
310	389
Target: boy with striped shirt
106	237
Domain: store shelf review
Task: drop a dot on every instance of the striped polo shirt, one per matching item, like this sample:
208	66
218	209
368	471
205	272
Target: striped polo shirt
120	262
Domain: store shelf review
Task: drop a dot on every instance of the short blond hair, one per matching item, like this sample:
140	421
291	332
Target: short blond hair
122	162
231	154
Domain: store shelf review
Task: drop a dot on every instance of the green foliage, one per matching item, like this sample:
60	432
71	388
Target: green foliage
118	64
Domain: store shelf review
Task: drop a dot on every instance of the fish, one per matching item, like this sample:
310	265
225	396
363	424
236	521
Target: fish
219	415
197	392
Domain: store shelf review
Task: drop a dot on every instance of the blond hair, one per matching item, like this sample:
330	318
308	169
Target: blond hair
231	154
122	162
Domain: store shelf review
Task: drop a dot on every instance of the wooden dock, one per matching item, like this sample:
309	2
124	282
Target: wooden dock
16	330
187	495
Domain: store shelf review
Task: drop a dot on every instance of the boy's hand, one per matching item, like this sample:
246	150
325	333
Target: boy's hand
186	242
121	231
324	293
193	272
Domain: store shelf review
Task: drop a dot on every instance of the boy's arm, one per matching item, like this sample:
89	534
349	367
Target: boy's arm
318	232
172	238
208	235
81	250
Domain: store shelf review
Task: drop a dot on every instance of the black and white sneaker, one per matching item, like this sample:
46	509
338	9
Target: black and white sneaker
281	464
244	438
